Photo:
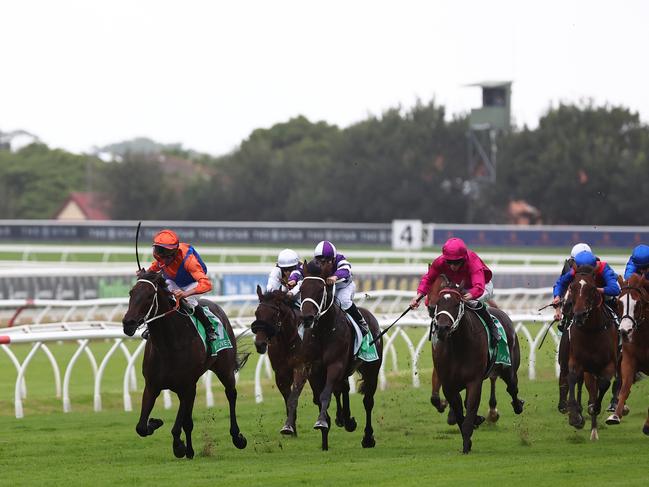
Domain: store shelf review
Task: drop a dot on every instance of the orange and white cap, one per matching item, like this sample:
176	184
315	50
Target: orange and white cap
166	239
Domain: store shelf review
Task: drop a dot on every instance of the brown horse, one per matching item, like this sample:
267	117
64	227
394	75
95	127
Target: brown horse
276	330
592	353
461	356
634	328
329	354
175	358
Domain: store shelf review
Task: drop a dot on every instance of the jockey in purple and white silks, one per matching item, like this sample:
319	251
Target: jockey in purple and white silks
325	252
287	274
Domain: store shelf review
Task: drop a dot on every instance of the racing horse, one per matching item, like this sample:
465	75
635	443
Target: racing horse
461	356
276	331
592	354
329	354
634	328
175	358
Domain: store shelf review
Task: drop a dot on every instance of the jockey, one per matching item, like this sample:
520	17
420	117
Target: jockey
638	262
606	280
325	252
287	274
185	273
567	265
462	265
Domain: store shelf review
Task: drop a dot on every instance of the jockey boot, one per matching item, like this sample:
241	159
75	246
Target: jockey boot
210	333
358	318
482	311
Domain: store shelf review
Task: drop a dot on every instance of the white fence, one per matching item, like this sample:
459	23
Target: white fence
386	305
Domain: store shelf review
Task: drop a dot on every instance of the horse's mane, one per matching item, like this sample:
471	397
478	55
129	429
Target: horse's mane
312	268
278	296
585	270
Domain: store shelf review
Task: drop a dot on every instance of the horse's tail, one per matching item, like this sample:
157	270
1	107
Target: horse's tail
244	349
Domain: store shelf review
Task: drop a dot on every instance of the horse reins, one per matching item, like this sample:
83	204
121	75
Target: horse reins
154	303
323	301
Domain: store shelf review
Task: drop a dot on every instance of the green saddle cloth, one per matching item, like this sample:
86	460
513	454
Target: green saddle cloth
223	340
367	352
502	348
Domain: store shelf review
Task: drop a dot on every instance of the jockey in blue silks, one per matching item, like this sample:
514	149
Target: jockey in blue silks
605	278
638	262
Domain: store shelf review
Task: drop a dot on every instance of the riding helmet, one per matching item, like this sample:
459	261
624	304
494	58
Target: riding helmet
325	249
640	255
287	258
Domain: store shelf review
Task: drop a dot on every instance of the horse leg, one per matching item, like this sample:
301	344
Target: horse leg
597	387
645	428
146	426
184	419
628	368
574	408
473	393
229	383
283	382
348	421
439	403
455	405
334	375
299	379
510	377
563	374
493	415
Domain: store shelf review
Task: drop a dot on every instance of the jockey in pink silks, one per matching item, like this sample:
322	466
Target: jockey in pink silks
462	266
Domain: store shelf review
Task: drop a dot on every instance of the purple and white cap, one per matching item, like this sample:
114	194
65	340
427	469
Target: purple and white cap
325	249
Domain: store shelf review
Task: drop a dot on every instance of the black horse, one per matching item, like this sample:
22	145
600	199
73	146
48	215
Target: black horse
329	354
175	358
461	356
276	329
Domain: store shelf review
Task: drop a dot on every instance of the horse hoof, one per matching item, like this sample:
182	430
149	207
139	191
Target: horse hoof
350	425
239	441
451	419
467	447
625	410
645	429
438	403
576	422
613	419
287	430
611	407
142	430
478	421
368	442
518	406
562	407
179	449
339	422
189	454
493	416
321	425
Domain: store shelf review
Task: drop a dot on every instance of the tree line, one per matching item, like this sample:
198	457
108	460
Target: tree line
583	164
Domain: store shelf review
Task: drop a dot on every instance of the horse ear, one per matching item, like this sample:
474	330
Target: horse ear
259	293
305	270
620	280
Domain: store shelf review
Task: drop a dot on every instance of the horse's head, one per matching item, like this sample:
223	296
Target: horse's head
448	311
634	296
317	296
143	301
272	316
584	295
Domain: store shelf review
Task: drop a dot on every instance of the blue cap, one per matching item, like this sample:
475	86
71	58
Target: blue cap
585	258
640	255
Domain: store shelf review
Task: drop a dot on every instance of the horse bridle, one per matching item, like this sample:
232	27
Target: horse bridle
456	319
153	309
635	322
271	329
323	300
591	307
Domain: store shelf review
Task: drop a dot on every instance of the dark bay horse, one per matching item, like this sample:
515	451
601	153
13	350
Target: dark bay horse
592	353
329	354
461	356
175	358
634	328
276	330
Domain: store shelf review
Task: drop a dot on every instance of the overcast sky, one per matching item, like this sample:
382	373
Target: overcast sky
206	73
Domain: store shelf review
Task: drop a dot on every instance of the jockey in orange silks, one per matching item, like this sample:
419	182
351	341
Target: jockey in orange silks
185	273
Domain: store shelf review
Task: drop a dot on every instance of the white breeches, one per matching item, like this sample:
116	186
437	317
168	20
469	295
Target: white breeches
345	294
191	300
488	293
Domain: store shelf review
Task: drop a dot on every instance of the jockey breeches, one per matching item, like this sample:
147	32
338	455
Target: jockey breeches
345	295
488	292
191	300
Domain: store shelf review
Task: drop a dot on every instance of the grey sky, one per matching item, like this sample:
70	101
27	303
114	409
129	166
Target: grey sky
207	73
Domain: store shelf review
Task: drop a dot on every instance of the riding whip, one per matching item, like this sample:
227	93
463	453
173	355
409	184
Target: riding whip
394	322
546	333
137	254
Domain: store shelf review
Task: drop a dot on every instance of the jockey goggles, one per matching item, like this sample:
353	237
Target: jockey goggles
164	252
455	262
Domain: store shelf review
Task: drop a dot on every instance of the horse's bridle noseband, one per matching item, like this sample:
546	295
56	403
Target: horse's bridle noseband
626	315
271	329
592	306
455	319
323	301
153	309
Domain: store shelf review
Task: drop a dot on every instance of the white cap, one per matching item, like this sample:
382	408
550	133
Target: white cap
580	247
287	258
